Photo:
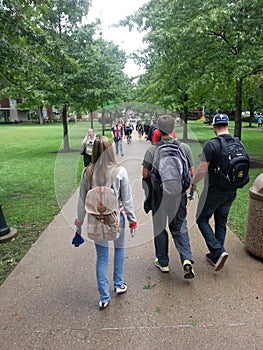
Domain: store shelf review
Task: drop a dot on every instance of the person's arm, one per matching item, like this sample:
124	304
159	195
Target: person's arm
145	172
126	199
112	133
190	158
192	171
84	141
210	149
199	175
81	211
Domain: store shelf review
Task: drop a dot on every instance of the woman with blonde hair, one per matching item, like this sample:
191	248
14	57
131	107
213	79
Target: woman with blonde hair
102	166
87	144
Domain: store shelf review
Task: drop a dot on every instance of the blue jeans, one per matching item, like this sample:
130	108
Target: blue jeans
217	204
102	250
172	210
118	145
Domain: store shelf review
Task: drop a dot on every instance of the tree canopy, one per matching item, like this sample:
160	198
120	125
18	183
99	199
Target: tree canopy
51	56
201	53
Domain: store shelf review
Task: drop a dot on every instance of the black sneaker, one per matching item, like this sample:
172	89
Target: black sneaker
122	289
221	261
209	259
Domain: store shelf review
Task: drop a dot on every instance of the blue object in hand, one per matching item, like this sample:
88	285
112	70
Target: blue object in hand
191	195
77	240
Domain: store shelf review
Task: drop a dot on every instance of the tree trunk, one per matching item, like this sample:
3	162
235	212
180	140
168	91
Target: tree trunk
91	120
238	120
251	110
40	115
103	121
185	130
65	127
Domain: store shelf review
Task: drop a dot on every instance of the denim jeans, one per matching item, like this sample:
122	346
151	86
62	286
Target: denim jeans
118	145
217	204
102	250
173	211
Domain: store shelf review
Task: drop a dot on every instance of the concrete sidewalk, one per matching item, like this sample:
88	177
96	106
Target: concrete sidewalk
50	300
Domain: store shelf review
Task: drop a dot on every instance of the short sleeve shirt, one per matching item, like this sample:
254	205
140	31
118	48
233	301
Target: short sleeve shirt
210	154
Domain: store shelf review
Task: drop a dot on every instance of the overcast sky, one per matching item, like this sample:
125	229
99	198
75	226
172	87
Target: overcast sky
111	12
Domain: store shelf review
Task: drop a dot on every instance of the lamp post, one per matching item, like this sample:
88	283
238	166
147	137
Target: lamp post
6	233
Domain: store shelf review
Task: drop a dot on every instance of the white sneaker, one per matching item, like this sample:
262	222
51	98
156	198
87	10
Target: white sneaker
122	289
188	269
102	305
221	261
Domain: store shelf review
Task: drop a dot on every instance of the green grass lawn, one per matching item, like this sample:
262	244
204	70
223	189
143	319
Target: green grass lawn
37	179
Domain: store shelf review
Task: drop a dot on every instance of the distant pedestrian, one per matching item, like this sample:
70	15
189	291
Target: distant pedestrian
259	120
87	145
128	131
178	121
146	128
101	169
168	208
117	135
140	130
157	136
152	128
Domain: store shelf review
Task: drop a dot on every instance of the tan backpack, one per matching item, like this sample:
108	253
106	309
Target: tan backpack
103	212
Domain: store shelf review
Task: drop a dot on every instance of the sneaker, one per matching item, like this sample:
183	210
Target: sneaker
188	269
162	268
122	289
221	261
102	305
210	260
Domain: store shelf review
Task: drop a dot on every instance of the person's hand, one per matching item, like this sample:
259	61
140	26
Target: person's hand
192	187
133	226
78	223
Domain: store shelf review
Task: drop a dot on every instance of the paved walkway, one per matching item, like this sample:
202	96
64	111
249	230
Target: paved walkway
50	300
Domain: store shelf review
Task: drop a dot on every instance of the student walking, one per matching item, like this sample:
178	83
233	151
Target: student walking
87	145
117	135
168	208
101	169
215	200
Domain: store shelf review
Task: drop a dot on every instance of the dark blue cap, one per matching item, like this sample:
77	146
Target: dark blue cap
220	119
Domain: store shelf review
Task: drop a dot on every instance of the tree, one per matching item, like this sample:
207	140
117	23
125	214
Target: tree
209	49
53	58
24	48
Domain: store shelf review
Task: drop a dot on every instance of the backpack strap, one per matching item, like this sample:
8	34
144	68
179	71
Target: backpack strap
223	149
113	176
221	141
101	207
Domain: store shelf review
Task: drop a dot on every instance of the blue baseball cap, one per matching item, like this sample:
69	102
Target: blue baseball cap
220	119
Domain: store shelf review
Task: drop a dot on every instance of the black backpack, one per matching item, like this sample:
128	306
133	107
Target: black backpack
232	170
170	172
